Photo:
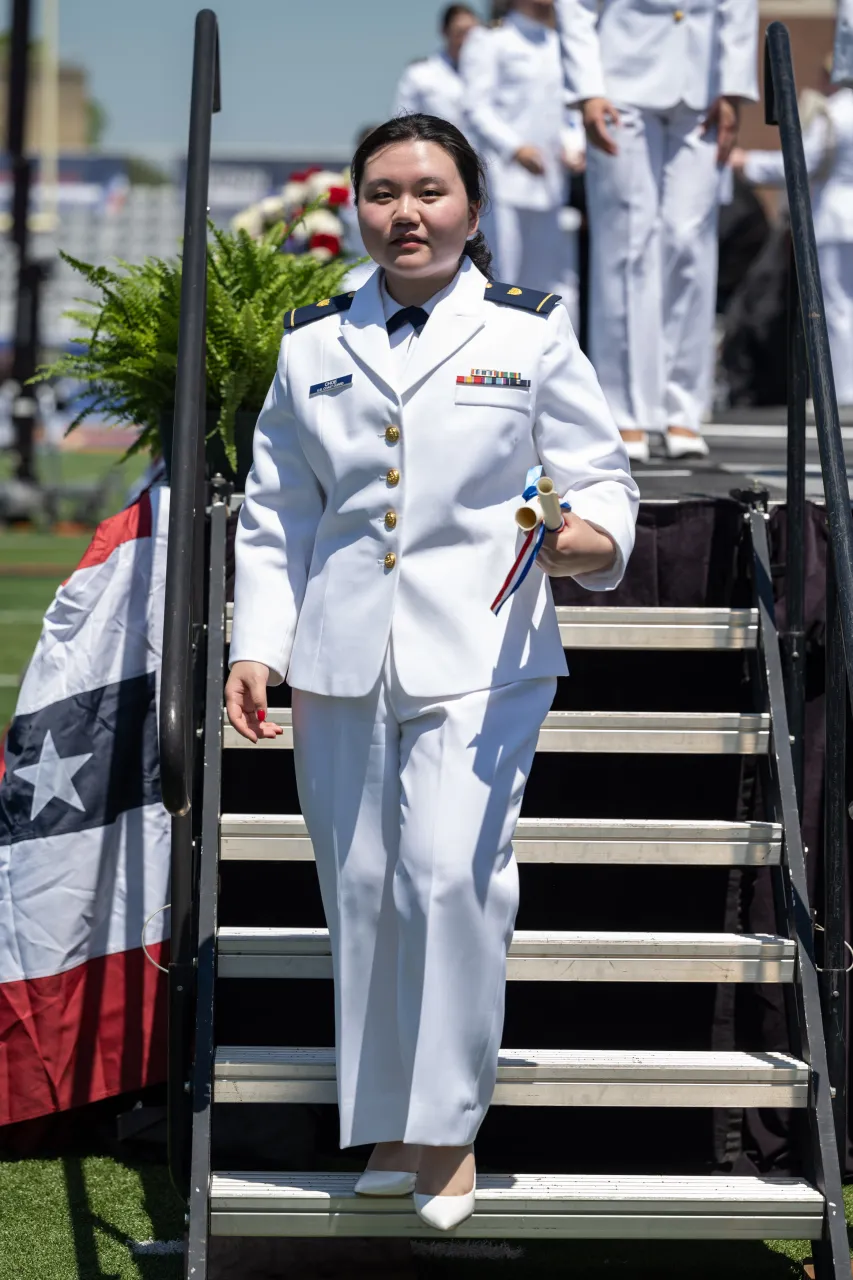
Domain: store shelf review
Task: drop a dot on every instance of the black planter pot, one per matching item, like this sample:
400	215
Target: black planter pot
214	449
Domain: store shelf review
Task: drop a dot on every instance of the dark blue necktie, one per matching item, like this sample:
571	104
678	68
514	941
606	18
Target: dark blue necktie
415	316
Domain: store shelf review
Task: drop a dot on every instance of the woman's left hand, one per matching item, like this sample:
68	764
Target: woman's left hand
576	548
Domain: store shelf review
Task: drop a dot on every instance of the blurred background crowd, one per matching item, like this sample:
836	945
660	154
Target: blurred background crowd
498	71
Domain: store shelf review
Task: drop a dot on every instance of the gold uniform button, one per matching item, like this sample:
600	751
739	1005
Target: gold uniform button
679	15
390	560
390	519
393	476
392	434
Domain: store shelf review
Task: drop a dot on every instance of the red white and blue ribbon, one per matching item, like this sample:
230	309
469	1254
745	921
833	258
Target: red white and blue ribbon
529	548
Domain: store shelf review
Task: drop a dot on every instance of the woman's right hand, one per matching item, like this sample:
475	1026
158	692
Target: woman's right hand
598	113
246	697
530	158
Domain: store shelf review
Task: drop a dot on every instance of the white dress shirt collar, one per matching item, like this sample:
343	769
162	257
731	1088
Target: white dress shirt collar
405	338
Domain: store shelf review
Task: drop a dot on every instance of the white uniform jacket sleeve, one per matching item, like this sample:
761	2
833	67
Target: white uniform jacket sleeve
478	67
275	536
766	168
582	68
408	97
738	36
580	448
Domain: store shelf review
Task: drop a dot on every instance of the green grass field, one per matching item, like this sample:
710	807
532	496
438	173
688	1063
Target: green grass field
95	1218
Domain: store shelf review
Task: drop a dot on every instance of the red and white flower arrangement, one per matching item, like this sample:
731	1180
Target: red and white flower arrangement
311	203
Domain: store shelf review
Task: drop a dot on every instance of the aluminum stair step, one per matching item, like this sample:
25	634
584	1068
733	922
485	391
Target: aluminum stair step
582	627
613	732
519	1206
544	1078
541	956
284	838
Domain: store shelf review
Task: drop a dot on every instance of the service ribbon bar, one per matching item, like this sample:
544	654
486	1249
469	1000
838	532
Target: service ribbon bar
492	380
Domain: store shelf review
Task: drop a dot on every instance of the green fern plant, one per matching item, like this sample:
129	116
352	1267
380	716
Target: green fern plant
128	348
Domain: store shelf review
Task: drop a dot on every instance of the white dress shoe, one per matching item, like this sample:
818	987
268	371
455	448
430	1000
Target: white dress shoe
637	450
680	446
444	1212
385	1182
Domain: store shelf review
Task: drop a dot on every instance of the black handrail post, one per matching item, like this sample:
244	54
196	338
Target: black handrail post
793	637
832	1254
833	977
175	767
183	613
784	101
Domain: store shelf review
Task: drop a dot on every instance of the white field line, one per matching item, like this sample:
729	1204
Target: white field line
9	682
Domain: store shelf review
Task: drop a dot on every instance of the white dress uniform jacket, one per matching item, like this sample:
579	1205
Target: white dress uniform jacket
380	504
842	62
658	53
433	86
514	96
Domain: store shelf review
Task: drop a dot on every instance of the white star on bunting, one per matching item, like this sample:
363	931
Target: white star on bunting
52	777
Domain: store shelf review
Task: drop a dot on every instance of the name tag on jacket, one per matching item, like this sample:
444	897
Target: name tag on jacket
334	384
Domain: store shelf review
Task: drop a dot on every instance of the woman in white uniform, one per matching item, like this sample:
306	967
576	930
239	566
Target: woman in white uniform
660	84
375	535
433	85
828	145
514	102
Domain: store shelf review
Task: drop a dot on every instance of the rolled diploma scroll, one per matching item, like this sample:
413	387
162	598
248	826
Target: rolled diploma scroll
549	501
527	517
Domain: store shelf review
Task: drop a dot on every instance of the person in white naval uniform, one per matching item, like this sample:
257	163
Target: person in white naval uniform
842	63
660	83
514	102
828	143
433	86
377	527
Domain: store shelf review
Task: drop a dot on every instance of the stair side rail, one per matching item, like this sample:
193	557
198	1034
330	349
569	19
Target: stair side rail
181	695
810	363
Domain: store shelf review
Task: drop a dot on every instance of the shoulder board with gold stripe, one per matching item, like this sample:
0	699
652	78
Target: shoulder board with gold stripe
528	299
316	310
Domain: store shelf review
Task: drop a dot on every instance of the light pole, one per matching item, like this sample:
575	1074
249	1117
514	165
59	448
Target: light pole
24	362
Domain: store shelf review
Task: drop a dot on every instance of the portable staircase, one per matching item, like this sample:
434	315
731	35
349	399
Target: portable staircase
235	819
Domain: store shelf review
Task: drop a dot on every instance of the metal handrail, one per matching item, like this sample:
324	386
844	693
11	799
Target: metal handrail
808	352
782	110
175	676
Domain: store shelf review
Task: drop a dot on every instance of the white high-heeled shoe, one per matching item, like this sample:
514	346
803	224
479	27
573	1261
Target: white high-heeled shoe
445	1212
685	446
385	1182
637	449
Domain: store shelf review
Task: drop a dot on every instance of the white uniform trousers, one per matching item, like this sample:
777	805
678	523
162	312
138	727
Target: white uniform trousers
836	273
411	806
531	249
653	267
